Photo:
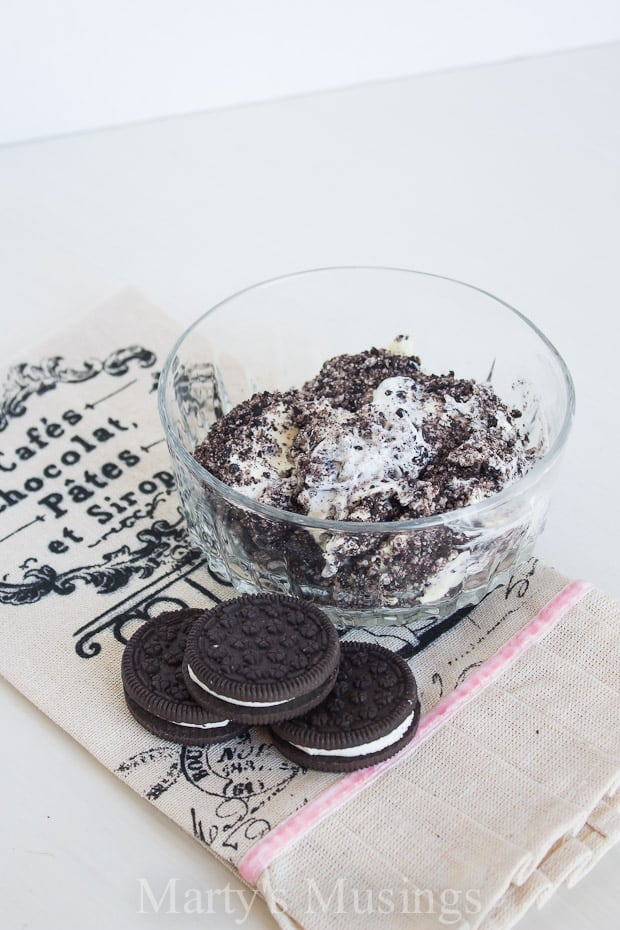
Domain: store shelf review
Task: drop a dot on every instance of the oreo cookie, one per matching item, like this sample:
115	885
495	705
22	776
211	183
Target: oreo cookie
154	688
261	658
371	712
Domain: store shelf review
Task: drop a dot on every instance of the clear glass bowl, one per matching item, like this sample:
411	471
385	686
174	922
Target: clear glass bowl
275	336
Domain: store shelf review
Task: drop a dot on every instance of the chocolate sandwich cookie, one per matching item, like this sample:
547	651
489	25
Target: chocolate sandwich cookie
371	712
261	658
154	688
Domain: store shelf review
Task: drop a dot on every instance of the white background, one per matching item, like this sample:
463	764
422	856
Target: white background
72	65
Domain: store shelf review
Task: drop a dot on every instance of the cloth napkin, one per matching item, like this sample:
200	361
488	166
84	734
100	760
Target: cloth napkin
511	786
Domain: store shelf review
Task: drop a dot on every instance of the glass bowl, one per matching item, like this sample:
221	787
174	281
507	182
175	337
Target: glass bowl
276	335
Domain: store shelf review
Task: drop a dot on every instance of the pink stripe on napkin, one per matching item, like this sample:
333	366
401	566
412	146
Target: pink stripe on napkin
347	787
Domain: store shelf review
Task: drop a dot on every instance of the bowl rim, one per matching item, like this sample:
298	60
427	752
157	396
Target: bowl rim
469	513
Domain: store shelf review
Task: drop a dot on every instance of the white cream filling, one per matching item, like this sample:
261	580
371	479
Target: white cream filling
195	726
201	726
366	748
229	700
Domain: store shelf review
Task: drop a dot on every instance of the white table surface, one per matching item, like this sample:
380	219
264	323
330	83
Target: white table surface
506	176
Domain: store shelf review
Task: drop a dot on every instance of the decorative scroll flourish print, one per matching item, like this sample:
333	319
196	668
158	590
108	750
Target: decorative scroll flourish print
167	592
25	379
161	544
198	392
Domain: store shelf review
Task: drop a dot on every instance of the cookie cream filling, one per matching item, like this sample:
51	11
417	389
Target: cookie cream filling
229	700
201	726
376	745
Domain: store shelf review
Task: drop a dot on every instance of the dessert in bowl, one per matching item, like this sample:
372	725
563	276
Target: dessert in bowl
385	482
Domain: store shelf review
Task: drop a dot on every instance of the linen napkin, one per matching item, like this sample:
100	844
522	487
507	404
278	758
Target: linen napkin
511	786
